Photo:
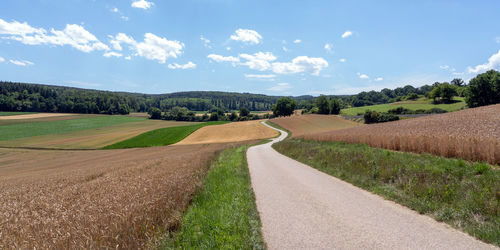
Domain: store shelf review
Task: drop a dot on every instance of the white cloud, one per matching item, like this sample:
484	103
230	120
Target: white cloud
125	18
258	61
142	4
378	79
152	48
228	48
128	58
264	61
280	87
312	65
297	41
112	54
2	59
219	58
362	76
115	10
260	76
284	49
246	36
493	63
342	60
328	47
73	35
189	65
348	33
21	62
497	39
444	67
206	42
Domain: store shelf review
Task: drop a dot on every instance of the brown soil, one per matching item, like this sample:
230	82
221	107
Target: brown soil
301	125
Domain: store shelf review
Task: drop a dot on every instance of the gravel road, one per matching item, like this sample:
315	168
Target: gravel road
303	208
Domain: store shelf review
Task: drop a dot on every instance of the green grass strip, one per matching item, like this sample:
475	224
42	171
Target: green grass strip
223	215
160	137
425	104
463	194
16	113
29	129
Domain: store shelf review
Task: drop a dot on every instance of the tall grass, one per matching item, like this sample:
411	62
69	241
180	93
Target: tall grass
463	194
223	215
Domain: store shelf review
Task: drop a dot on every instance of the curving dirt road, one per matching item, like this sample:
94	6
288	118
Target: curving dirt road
303	208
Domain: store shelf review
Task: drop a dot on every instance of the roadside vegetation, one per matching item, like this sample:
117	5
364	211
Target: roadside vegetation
160	137
223	213
29	129
463	194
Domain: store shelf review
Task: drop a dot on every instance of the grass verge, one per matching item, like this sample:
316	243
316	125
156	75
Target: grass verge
29	129
223	215
463	194
160	137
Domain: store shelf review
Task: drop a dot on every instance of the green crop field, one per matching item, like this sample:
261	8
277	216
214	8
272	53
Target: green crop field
29	129
2	113
160	137
423	103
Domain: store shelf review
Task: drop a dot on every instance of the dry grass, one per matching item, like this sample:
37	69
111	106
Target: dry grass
230	132
92	138
96	199
472	134
301	125
33	116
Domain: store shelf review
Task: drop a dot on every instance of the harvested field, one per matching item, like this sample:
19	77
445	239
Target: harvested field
97	199
92	138
230	132
471	134
307	124
33	116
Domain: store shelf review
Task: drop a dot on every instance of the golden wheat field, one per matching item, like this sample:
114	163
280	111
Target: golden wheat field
471	134
230	132
301	125
99	198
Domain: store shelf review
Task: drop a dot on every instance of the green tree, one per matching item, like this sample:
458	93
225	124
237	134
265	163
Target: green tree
244	111
323	105
284	106
154	113
335	107
484	89
233	116
444	91
458	82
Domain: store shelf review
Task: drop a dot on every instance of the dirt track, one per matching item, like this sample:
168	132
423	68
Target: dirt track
303	208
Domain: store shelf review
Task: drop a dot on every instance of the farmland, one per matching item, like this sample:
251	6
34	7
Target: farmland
93	138
422	103
93	199
230	132
29	128
307	124
15	113
471	134
160	137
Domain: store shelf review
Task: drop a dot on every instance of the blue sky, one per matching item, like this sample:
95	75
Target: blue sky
269	47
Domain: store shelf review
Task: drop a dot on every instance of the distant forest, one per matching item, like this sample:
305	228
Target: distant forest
48	98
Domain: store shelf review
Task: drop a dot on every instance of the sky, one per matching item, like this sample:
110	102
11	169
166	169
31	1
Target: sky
292	47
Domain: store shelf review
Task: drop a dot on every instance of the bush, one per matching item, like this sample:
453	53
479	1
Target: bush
284	106
484	89
154	113
376	117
